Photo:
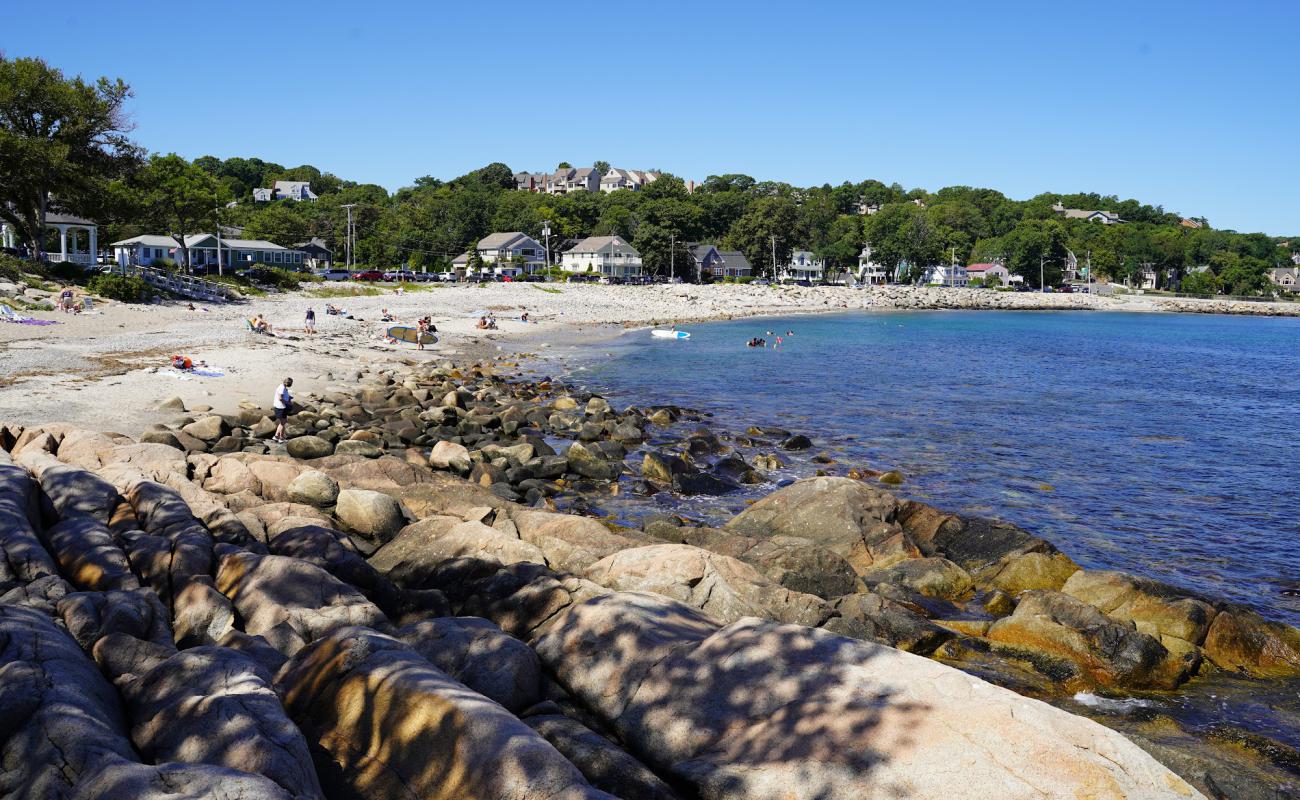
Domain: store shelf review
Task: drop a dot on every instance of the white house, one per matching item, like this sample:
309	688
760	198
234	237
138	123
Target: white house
990	274
608	256
570	179
803	266
869	272
512	253
632	179
235	253
1104	217
947	275
285	190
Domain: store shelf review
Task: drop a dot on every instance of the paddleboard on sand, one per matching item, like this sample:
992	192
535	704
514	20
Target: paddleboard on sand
670	334
403	333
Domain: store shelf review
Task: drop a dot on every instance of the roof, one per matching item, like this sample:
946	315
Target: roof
197	239
316	243
497	241
981	267
594	244
59	218
701	251
734	259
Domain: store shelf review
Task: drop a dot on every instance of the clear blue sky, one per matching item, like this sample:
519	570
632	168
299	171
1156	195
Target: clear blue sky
1190	105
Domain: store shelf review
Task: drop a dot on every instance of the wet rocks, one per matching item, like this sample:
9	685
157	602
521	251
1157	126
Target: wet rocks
590	463
663	467
796	442
869	616
1106	653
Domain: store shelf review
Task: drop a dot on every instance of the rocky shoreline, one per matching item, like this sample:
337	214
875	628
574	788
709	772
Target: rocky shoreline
405	612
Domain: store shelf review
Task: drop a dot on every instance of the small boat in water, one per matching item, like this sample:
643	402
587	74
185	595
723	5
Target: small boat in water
670	334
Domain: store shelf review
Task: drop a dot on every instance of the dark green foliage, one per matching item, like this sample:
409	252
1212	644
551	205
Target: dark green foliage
127	288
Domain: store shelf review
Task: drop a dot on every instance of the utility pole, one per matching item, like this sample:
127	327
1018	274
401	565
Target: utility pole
1089	268
952	270
774	258
348	237
217	215
1041	258
546	235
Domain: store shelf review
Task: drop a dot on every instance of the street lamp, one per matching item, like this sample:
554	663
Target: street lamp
1042	287
546	235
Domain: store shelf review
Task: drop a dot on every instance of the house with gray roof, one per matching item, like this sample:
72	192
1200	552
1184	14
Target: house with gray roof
803	266
734	265
574	179
512	253
285	190
631	179
1285	278
1104	217
607	256
143	251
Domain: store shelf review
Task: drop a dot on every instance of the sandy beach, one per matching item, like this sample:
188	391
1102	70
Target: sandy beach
108	369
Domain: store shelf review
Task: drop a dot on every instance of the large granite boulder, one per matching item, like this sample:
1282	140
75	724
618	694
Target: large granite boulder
792	561
394	725
88	555
609	767
374	515
421	546
25	558
213	705
291	602
765	710
482	656
1240	639
725	588
570	543
334	553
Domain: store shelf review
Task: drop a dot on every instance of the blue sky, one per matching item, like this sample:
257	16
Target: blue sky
1190	105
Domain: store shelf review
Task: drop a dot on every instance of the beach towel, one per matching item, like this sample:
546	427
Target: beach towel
9	315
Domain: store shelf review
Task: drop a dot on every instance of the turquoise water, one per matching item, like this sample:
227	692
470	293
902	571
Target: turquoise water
1165	445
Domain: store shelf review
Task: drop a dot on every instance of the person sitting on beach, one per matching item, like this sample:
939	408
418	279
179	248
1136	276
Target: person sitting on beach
191	307
65	299
330	309
384	316
523	317
182	362
482	323
260	325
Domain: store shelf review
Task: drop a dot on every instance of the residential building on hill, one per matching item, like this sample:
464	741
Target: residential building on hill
607	256
235	253
285	190
632	179
1104	217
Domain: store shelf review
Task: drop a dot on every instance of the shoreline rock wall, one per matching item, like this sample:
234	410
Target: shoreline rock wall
182	574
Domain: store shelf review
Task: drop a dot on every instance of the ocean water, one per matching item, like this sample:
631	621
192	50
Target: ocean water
1164	445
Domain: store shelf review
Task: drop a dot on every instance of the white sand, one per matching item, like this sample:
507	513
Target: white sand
108	370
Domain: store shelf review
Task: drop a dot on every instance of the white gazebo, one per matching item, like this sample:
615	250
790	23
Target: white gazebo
72	232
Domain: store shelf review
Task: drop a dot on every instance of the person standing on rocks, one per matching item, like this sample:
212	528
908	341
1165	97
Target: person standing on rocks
282	403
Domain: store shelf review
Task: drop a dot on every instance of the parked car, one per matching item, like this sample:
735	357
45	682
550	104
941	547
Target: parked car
333	274
424	277
450	277
369	275
1066	288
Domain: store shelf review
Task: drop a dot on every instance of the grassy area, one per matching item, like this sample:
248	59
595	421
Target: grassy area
547	289
343	291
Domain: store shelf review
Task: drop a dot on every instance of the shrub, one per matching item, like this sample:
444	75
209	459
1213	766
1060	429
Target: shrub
163	263
12	268
67	272
127	288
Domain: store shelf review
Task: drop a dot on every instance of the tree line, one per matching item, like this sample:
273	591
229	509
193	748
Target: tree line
68	139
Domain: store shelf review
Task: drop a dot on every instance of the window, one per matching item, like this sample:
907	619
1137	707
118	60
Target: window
279	257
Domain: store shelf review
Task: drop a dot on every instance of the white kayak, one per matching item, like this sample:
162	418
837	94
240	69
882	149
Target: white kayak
670	334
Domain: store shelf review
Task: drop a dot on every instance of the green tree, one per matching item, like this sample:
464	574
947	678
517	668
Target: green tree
61	139
1205	282
1037	248
770	224
173	195
602	167
278	222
